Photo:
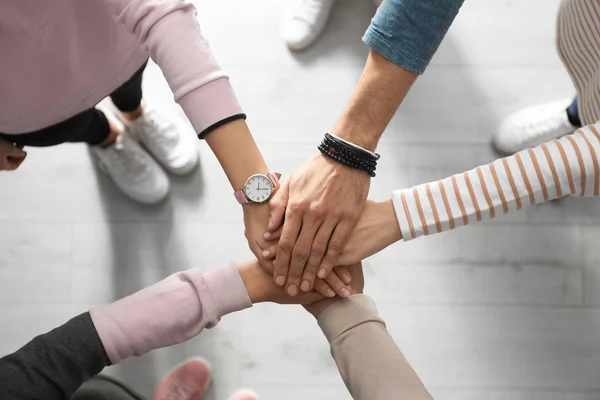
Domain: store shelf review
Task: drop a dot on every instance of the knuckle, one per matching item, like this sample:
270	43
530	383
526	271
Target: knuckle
318	248
335	245
318	210
349	214
286	245
296	206
300	253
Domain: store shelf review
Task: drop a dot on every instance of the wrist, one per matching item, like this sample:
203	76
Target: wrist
389	222
316	309
253	277
237	152
364	138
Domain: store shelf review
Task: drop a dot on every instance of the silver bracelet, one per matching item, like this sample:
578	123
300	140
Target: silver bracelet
357	147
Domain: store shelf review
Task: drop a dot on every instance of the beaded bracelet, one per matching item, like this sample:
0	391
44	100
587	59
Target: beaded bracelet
349	154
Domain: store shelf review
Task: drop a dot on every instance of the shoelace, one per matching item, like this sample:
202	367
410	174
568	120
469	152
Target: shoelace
308	10
160	130
126	157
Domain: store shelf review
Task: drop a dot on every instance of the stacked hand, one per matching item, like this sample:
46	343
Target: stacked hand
11	156
319	219
320	203
261	288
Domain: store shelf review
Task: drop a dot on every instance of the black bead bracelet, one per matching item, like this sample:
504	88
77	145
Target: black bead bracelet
348	154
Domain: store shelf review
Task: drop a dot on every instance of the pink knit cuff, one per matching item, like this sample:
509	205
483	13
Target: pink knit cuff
169	312
210	103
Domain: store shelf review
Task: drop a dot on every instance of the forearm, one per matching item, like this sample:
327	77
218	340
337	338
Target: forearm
170	311
237	152
370	363
169	31
403	36
52	366
568	166
377	96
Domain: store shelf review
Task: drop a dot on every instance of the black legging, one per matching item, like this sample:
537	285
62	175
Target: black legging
89	126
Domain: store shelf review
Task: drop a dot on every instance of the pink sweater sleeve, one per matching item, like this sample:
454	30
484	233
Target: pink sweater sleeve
169	312
169	31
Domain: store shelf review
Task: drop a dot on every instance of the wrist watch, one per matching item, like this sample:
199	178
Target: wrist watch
259	188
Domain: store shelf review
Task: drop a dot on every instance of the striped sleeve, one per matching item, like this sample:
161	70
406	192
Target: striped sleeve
568	166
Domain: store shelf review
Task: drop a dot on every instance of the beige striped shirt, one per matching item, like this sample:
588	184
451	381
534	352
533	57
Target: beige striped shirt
568	166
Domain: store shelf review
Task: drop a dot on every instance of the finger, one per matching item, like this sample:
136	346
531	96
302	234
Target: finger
334	248
337	285
270	253
16	152
274	235
301	253
344	274
16	161
317	252
323	288
289	236
8	166
277	207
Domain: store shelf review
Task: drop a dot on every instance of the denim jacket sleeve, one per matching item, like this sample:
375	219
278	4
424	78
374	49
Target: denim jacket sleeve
409	32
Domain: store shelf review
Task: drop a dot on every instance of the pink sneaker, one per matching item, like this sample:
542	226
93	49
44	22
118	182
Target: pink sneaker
187	381
244	394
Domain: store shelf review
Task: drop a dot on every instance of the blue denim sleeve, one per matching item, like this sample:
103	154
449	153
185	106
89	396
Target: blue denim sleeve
409	32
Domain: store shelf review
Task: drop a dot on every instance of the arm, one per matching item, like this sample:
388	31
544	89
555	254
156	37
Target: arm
52	366
323	199
369	361
568	166
170	32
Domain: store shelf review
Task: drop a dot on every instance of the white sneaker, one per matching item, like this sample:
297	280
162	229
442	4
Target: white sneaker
167	138
533	126
302	27
133	170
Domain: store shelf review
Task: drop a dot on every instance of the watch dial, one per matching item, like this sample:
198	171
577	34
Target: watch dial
258	188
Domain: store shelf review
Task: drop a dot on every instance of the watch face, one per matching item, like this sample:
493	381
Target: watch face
258	188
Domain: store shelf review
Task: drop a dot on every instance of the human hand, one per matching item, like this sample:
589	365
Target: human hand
377	228
357	286
321	203
261	288
11	156
334	283
256	217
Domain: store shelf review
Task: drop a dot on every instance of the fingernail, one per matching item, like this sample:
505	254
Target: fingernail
347	278
267	235
330	293
267	253
305	286
322	273
280	280
292	290
345	292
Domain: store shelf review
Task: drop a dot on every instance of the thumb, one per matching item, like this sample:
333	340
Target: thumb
16	152
277	207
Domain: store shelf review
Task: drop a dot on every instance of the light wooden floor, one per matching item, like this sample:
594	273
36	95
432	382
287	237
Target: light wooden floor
504	310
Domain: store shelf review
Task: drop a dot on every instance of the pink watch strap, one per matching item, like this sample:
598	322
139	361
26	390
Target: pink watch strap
274	178
240	196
